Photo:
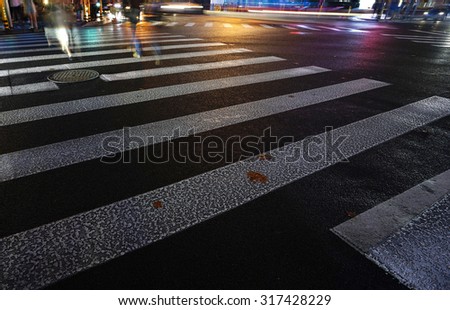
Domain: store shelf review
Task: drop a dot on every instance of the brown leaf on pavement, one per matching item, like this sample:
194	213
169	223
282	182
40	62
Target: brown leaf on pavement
257	177
157	204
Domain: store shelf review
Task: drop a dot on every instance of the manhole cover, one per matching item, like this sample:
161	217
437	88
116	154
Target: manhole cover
73	76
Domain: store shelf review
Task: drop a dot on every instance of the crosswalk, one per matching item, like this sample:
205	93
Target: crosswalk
291	26
94	138
432	38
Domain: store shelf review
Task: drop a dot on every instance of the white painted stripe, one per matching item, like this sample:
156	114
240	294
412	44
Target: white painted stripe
93	44
172	24
266	26
430	42
118	29
109	225
27	89
84	38
104	52
423	39
111	62
187	68
368	229
95	41
189	24
431	32
5	91
208	24
247	26
441	45
308	27
226	25
289	27
114	100
330	28
355	30
419	254
101	45
400	36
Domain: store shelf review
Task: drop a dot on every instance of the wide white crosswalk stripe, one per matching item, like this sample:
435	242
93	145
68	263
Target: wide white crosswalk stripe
266	26
171	24
44	158
208	24
247	26
27	88
102	102
110	62
187	68
289	27
42	41
123	41
431	32
355	30
189	24
226	25
85	37
434	43
432	40
308	27
330	28
34	258
105	52
376	233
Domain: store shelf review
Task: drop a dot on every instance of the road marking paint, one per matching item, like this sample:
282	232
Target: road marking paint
330	28
266	26
123	41
369	228
104	52
355	30
25	268
247	26
308	27
187	68
432	32
208	24
434	43
110	62
172	24
27	88
84	37
372	232
189	25
120	99
226	25
289	27
400	36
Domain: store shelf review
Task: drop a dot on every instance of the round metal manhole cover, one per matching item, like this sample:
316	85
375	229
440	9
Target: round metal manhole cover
73	76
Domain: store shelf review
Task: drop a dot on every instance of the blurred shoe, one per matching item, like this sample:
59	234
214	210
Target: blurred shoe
136	55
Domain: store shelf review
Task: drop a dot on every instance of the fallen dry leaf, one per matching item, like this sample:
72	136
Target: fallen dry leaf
257	177
157	204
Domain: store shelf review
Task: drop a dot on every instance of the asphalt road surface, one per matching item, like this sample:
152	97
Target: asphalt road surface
169	172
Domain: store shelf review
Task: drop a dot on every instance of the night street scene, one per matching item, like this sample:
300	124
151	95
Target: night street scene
225	145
